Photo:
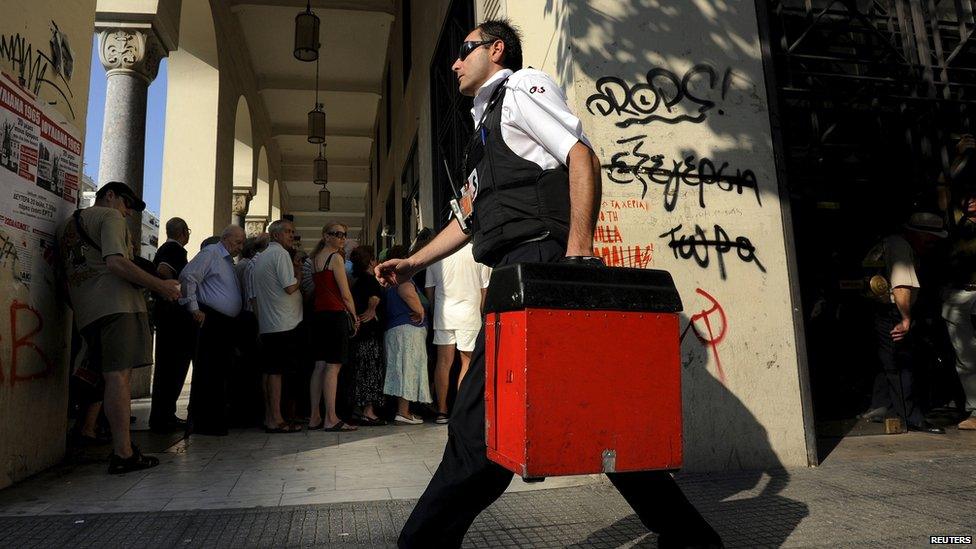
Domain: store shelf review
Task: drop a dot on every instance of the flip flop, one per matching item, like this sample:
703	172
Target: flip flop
317	426
339	427
282	429
370	422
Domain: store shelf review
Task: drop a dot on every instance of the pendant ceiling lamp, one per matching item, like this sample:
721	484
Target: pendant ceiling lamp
320	173
307	35
316	116
316	124
325	200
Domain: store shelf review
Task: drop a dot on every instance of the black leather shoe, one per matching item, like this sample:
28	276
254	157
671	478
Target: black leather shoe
926	427
167	426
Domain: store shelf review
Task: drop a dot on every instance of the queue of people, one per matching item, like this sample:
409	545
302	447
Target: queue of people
268	328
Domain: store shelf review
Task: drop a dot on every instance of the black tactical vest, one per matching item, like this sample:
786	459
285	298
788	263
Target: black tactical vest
517	201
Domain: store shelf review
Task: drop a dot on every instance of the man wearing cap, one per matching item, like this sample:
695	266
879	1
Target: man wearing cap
105	289
898	256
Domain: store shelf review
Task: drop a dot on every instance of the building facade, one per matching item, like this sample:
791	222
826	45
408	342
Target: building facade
692	107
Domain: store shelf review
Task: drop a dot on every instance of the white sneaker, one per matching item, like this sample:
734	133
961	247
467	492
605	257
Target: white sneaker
400	420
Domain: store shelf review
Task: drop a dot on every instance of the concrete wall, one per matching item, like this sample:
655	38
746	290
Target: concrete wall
33	328
672	96
674	100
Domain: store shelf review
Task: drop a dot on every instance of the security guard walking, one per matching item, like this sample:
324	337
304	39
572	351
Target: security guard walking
532	195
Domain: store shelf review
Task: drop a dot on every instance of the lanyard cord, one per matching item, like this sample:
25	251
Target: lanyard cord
492	101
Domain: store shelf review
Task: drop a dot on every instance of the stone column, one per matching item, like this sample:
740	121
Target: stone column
131	58
241	201
255	224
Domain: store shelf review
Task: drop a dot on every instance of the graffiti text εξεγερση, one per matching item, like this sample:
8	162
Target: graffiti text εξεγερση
635	165
698	246
659	97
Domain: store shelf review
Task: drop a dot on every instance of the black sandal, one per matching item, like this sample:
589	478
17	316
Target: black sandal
135	462
367	421
340	427
286	428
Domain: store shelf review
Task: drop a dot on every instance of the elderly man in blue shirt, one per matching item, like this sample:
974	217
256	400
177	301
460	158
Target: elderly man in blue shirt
212	294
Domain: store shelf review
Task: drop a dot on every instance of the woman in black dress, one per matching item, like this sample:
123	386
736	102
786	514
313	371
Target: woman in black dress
367	346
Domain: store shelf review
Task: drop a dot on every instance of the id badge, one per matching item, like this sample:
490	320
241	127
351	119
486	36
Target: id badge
469	193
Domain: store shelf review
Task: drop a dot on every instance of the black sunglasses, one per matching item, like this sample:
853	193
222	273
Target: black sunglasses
471	45
337	234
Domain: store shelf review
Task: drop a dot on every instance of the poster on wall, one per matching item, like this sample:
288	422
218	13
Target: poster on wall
40	163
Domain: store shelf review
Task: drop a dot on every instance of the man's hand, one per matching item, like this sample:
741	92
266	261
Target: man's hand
169	289
901	329
199	317
394	272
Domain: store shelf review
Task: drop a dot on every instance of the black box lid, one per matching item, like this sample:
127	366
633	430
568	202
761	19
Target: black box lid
580	287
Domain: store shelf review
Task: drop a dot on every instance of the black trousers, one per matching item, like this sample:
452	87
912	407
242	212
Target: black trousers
896	366
212	366
466	482
176	335
246	398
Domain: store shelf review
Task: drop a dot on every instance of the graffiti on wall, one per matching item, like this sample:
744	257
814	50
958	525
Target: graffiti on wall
608	236
36	68
8	251
635	165
710	326
663	96
28	361
22	324
695	244
666	97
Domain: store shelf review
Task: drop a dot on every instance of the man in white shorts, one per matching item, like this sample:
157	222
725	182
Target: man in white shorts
456	288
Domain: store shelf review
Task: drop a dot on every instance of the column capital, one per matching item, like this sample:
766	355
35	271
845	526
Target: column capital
130	50
254	225
240	202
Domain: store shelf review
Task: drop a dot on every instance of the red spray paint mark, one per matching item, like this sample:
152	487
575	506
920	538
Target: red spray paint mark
19	342
712	339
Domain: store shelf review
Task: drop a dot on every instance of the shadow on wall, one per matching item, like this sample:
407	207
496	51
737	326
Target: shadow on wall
673	95
633	81
723	498
682	128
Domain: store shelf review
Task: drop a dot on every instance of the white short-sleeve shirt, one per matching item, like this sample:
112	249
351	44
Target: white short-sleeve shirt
536	121
900	262
277	310
457	281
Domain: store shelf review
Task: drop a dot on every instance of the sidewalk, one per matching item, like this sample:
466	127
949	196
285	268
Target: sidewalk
356	490
248	468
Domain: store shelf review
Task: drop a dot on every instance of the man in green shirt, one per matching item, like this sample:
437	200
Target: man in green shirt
105	289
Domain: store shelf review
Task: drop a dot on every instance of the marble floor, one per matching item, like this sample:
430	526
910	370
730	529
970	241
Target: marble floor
250	468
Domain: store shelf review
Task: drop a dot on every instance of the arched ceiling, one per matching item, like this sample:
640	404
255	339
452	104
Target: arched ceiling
354	36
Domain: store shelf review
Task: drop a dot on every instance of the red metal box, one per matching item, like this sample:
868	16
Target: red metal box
583	370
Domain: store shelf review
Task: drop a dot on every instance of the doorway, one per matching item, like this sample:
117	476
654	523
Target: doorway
872	96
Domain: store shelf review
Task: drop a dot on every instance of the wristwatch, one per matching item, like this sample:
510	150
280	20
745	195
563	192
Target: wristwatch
590	260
